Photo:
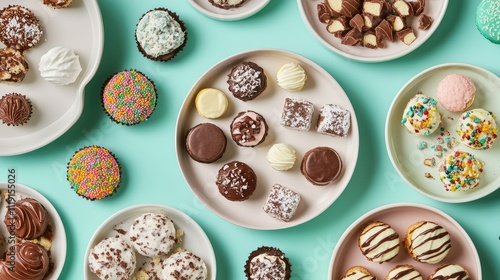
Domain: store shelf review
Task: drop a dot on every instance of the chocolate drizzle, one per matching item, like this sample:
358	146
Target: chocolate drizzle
379	242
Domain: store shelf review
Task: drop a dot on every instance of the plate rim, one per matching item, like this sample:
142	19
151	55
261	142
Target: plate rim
379	209
390	57
229	17
71	116
388	130
61	231
229	59
123	211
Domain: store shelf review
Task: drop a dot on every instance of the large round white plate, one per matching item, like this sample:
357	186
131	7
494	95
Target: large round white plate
55	108
249	8
308	9
194	238
407	159
400	216
321	88
58	249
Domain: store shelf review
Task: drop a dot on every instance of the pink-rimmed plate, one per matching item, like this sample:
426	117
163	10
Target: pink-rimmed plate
400	216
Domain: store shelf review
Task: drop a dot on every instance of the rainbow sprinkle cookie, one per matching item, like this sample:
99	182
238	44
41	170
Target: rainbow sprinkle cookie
460	171
129	97
421	116
94	173
477	129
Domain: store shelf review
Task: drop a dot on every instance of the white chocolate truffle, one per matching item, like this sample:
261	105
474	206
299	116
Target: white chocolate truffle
291	77
112	258
183	265
281	156
60	66
153	234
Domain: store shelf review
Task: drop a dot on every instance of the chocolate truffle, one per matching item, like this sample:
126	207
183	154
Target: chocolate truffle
19	28
249	129
236	181
15	109
321	165
205	143
247	80
31	261
267	263
29	217
13	66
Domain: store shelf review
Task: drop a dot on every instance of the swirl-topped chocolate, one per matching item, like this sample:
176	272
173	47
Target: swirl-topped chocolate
29	217
15	109
31	261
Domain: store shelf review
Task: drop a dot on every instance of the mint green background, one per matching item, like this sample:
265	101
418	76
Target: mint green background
147	151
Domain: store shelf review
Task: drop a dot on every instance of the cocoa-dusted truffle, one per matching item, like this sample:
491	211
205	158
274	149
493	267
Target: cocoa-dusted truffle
15	109
249	129
236	181
267	263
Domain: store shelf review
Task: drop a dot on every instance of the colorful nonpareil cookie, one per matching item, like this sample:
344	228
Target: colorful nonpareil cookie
477	129
15	109
421	116
94	173
379	242
488	20
129	97
160	34
19	28
460	171
13	66
427	242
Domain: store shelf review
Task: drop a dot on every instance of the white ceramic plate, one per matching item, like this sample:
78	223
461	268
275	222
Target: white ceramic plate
194	238
58	249
249	8
400	216
321	88
308	9
407	159
55	108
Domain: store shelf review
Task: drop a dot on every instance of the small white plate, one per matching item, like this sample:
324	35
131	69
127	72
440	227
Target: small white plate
320	88
249	8
400	216
58	249
55	108
194	238
401	145
308	9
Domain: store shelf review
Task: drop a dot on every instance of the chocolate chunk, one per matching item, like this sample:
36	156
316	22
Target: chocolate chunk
406	36
370	40
352	38
338	25
373	7
371	21
403	8
397	22
347	8
424	22
357	22
383	31
324	14
418	7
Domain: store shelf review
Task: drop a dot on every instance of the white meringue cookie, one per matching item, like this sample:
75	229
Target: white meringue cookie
60	66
